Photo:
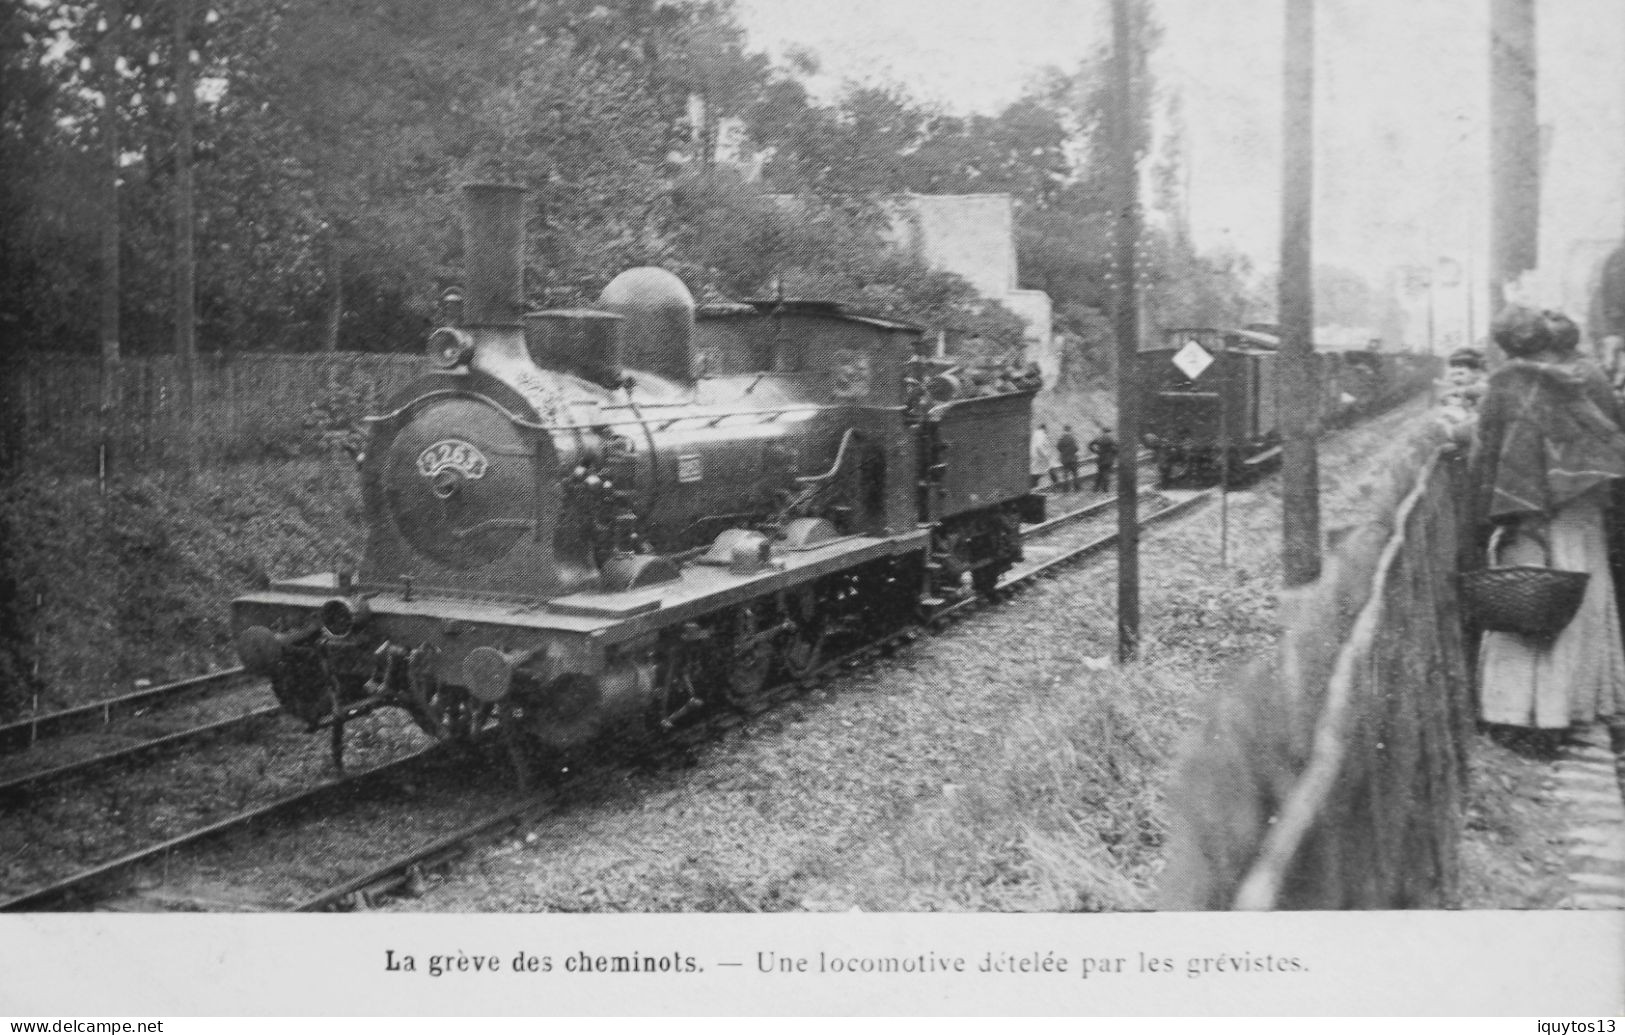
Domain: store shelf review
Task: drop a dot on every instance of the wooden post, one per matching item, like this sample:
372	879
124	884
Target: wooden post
185	316
1299	398
1514	147
1126	326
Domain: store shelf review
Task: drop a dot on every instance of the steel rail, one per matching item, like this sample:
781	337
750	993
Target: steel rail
85	881
1088	469
397	872
21	735
392	874
13	787
1171	511
1050	524
1020	577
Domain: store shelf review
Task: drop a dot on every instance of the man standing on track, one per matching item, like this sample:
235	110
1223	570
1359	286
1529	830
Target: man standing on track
1105	449
1042	456
1067	446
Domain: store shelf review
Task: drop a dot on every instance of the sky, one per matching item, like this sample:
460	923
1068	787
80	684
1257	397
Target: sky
972	56
1401	101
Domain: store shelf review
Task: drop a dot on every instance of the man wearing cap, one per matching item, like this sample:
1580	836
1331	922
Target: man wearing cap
1105	449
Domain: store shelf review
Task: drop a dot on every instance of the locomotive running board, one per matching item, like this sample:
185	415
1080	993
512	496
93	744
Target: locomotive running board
602	605
603	618
703	589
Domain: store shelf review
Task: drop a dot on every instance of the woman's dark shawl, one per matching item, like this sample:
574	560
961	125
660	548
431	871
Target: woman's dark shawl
1547	433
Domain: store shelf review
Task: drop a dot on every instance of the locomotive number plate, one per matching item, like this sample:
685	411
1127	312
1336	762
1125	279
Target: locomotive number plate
688	468
452	454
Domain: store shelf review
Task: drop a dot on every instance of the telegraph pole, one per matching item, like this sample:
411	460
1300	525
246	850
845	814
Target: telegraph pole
1299	399
1126	326
112	35
1514	147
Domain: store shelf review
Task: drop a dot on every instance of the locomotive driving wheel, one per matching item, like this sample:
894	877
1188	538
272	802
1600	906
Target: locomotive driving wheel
805	650
749	657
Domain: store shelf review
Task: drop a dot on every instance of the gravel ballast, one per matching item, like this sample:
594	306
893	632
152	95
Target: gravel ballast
1004	764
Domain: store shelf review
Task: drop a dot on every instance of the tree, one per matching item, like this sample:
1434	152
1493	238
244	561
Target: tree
329	139
49	240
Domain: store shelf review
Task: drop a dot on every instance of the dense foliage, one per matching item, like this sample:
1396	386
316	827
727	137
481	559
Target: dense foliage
329	138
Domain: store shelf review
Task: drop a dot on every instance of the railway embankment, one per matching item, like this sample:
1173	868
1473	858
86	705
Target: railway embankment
135	584
1332	772
1344	770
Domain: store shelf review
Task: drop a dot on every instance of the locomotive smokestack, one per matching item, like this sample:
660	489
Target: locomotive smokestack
494	254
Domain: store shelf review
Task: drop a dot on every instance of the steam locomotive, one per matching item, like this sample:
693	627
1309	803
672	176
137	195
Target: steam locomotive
1208	405
582	519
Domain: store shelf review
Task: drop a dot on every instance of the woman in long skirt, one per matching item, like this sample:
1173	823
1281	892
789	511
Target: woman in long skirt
1549	447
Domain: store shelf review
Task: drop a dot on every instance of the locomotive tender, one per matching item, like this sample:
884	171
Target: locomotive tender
578	519
1208	397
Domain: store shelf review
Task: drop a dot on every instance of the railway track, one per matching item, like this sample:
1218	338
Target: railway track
16	787
1091	540
83	884
26	733
158	722
406	870
18	780
114	884
402	867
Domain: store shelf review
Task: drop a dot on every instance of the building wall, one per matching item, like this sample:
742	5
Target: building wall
1035	307
974	235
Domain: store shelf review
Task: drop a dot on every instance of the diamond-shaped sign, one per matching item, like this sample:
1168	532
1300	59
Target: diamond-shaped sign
1192	359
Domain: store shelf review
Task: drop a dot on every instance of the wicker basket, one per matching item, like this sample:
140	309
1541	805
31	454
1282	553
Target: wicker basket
1523	599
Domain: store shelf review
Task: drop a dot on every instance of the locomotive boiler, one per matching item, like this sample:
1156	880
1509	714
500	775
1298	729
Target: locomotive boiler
581	518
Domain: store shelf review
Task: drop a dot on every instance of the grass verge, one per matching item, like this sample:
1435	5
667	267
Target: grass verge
137	584
1069	812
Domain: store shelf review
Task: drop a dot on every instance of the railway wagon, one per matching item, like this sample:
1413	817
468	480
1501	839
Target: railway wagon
619	516
976	451
1207	398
